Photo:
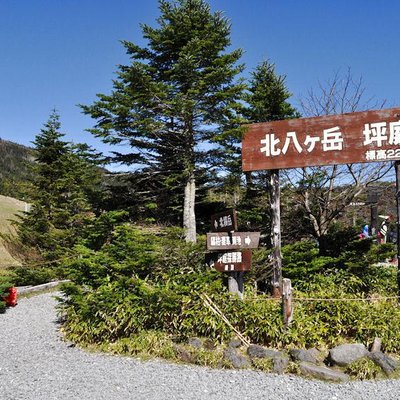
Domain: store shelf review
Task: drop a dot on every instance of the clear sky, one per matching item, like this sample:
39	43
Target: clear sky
60	53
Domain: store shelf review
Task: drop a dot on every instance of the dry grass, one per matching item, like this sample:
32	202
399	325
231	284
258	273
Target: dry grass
8	208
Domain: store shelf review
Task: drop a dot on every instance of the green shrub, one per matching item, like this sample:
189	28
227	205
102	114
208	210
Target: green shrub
143	280
25	276
381	252
6	281
364	369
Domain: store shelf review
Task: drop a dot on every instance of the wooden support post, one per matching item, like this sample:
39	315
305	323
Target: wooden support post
275	200
287	302
397	170
235	283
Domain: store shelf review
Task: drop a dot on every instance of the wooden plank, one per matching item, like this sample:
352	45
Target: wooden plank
397	171
230	261
287	302
225	221
368	136
232	241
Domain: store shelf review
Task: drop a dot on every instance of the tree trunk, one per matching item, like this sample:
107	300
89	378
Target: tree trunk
189	216
250	187
275	199
322	245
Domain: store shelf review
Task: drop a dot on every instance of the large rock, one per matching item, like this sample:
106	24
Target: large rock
376	346
323	373
235	358
256	351
388	364
195	342
235	343
301	355
183	354
279	364
345	354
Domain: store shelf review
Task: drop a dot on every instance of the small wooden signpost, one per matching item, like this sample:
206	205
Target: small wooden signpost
231	249
232	261
224	221
232	241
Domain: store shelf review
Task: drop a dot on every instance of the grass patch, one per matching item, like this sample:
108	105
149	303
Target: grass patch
364	369
9	207
263	364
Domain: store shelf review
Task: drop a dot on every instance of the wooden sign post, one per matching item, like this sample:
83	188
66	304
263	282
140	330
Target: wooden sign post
360	137
232	249
397	169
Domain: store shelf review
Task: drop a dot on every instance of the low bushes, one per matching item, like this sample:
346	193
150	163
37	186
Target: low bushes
143	280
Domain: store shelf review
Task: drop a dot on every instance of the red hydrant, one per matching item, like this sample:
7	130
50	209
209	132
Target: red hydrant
11	298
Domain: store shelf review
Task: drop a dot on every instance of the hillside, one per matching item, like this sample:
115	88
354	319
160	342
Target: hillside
15	171
8	208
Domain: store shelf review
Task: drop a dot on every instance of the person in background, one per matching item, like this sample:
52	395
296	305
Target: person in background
383	230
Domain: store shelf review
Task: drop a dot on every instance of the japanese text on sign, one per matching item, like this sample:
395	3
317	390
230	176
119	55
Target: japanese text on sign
232	257
226	241
332	140
358	137
375	133
224	221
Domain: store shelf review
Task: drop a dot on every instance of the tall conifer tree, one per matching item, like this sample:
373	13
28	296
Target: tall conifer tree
61	189
175	96
267	100
267	96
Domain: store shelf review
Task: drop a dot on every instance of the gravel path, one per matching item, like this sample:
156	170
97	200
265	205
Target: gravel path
36	364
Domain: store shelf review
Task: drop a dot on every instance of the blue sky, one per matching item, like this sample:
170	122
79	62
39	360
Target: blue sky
59	53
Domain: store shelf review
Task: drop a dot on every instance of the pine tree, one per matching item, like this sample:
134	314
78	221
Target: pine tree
60	201
267	96
174	98
266	100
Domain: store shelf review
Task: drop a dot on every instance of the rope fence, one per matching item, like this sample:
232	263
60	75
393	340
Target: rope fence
300	299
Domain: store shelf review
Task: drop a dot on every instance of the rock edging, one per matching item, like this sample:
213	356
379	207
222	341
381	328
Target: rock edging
330	366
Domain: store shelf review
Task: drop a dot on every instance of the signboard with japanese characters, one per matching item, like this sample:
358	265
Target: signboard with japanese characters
359	137
231	241
230	261
224	222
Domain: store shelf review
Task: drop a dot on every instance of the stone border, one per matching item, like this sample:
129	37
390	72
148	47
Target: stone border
330	365
38	288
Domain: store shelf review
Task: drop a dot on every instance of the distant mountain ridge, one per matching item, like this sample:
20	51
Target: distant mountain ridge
15	169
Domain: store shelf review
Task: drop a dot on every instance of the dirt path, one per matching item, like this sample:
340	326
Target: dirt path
36	364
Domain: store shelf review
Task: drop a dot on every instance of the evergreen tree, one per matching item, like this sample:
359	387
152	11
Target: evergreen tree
267	96
266	100
177	95
63	179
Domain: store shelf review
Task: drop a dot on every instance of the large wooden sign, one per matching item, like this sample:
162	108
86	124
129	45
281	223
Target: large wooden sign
230	261
359	137
232	241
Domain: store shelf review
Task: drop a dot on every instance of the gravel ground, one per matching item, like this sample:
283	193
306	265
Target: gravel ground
36	364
